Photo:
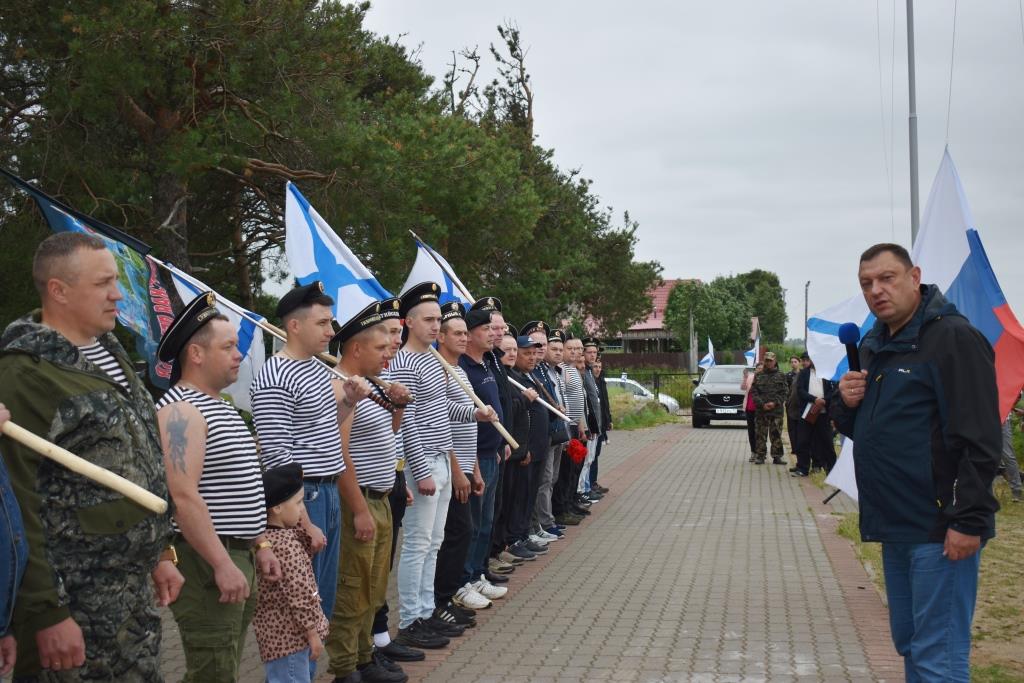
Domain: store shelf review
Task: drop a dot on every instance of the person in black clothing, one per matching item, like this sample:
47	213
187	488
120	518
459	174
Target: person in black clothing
605	426
814	439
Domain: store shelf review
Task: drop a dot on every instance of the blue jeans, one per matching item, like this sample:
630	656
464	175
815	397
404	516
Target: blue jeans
323	505
931	604
422	534
482	509
293	668
13	549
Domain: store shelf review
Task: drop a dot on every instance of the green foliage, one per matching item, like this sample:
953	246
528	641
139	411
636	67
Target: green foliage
181	122
629	413
723	307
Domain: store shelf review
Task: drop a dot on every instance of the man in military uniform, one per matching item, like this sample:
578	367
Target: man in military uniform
769	391
86	609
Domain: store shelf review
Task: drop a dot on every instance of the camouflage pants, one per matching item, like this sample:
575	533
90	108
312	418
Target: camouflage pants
768	425
120	626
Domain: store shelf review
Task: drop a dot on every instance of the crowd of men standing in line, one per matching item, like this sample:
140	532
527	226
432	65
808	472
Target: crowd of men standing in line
293	528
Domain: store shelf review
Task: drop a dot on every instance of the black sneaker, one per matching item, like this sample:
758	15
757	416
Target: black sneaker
520	551
394	652
375	673
496	579
385	663
577	510
798	473
417	634
778	461
442	628
456	615
535	548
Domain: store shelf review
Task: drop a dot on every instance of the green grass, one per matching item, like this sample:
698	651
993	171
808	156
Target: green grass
870	554
629	413
995	674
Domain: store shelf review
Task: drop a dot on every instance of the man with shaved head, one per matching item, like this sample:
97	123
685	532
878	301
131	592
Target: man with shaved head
86	609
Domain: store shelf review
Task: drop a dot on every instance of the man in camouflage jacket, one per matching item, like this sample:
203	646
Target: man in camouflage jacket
769	391
85	609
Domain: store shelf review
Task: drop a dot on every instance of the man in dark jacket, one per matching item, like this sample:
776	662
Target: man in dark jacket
606	421
924	418
814	447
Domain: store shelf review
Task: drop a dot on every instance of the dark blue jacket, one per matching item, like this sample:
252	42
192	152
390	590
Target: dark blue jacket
927	435
13	549
539	439
488	439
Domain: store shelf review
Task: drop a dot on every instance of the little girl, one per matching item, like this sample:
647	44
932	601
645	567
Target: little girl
290	624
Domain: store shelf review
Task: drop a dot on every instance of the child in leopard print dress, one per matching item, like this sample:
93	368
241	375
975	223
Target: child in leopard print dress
290	624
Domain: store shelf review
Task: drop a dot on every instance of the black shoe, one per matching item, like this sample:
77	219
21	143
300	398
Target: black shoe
496	579
442	628
759	461
778	461
456	614
520	551
793	469
394	652
354	677
568	520
582	501
600	489
417	634
595	495
375	673
535	548
385	663
797	473
581	511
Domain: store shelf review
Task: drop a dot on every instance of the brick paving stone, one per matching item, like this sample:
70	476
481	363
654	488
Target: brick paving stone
697	567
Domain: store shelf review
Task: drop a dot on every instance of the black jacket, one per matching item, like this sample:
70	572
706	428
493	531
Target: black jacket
538	439
519	414
606	406
802	385
927	435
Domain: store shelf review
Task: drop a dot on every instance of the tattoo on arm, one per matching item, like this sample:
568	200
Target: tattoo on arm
177	440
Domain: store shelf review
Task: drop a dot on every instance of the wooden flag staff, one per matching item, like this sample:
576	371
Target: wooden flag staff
469	392
102	476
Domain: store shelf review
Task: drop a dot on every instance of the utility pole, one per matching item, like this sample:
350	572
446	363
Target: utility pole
692	359
807	289
912	88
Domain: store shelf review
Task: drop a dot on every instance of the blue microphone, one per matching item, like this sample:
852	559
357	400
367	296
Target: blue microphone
849	335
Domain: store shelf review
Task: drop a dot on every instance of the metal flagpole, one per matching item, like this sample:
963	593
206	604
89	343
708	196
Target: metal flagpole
912	87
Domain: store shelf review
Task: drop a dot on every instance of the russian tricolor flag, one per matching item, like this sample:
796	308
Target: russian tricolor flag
951	255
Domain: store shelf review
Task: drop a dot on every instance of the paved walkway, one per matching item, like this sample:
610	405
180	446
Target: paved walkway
697	567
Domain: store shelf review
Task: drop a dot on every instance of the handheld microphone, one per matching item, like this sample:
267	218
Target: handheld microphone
849	335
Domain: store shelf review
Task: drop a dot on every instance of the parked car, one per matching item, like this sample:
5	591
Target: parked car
717	395
641	392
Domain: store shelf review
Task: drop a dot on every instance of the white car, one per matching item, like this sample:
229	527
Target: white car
641	392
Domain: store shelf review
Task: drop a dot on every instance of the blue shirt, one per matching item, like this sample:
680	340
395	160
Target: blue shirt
488	440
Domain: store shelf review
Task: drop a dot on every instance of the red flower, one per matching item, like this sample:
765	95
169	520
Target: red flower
577	451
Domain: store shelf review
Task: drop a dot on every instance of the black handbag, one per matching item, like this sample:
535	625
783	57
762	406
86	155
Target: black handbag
559	432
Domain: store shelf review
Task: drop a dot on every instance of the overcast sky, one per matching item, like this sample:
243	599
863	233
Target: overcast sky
750	134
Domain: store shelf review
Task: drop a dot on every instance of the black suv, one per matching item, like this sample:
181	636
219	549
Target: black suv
717	395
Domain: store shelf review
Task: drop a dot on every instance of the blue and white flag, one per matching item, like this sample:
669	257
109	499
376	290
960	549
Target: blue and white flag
250	337
430	266
316	252
752	354
708	361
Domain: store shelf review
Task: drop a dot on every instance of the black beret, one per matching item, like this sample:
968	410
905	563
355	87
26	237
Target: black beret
512	331
299	297
363	320
390	308
452	309
489	303
591	341
190	320
418	294
475	319
334	346
535	326
281	483
558	336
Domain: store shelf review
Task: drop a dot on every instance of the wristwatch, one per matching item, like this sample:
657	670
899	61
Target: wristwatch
261	546
170	554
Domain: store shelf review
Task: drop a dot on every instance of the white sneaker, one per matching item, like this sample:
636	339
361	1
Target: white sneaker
546	536
469	597
538	539
488	589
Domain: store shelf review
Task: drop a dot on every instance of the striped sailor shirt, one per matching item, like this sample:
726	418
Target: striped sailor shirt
231	484
575	401
463	433
371	446
426	424
105	361
296	416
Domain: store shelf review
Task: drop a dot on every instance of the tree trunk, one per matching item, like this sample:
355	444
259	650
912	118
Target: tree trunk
170	213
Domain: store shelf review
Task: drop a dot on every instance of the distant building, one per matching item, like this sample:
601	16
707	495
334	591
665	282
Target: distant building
651	335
